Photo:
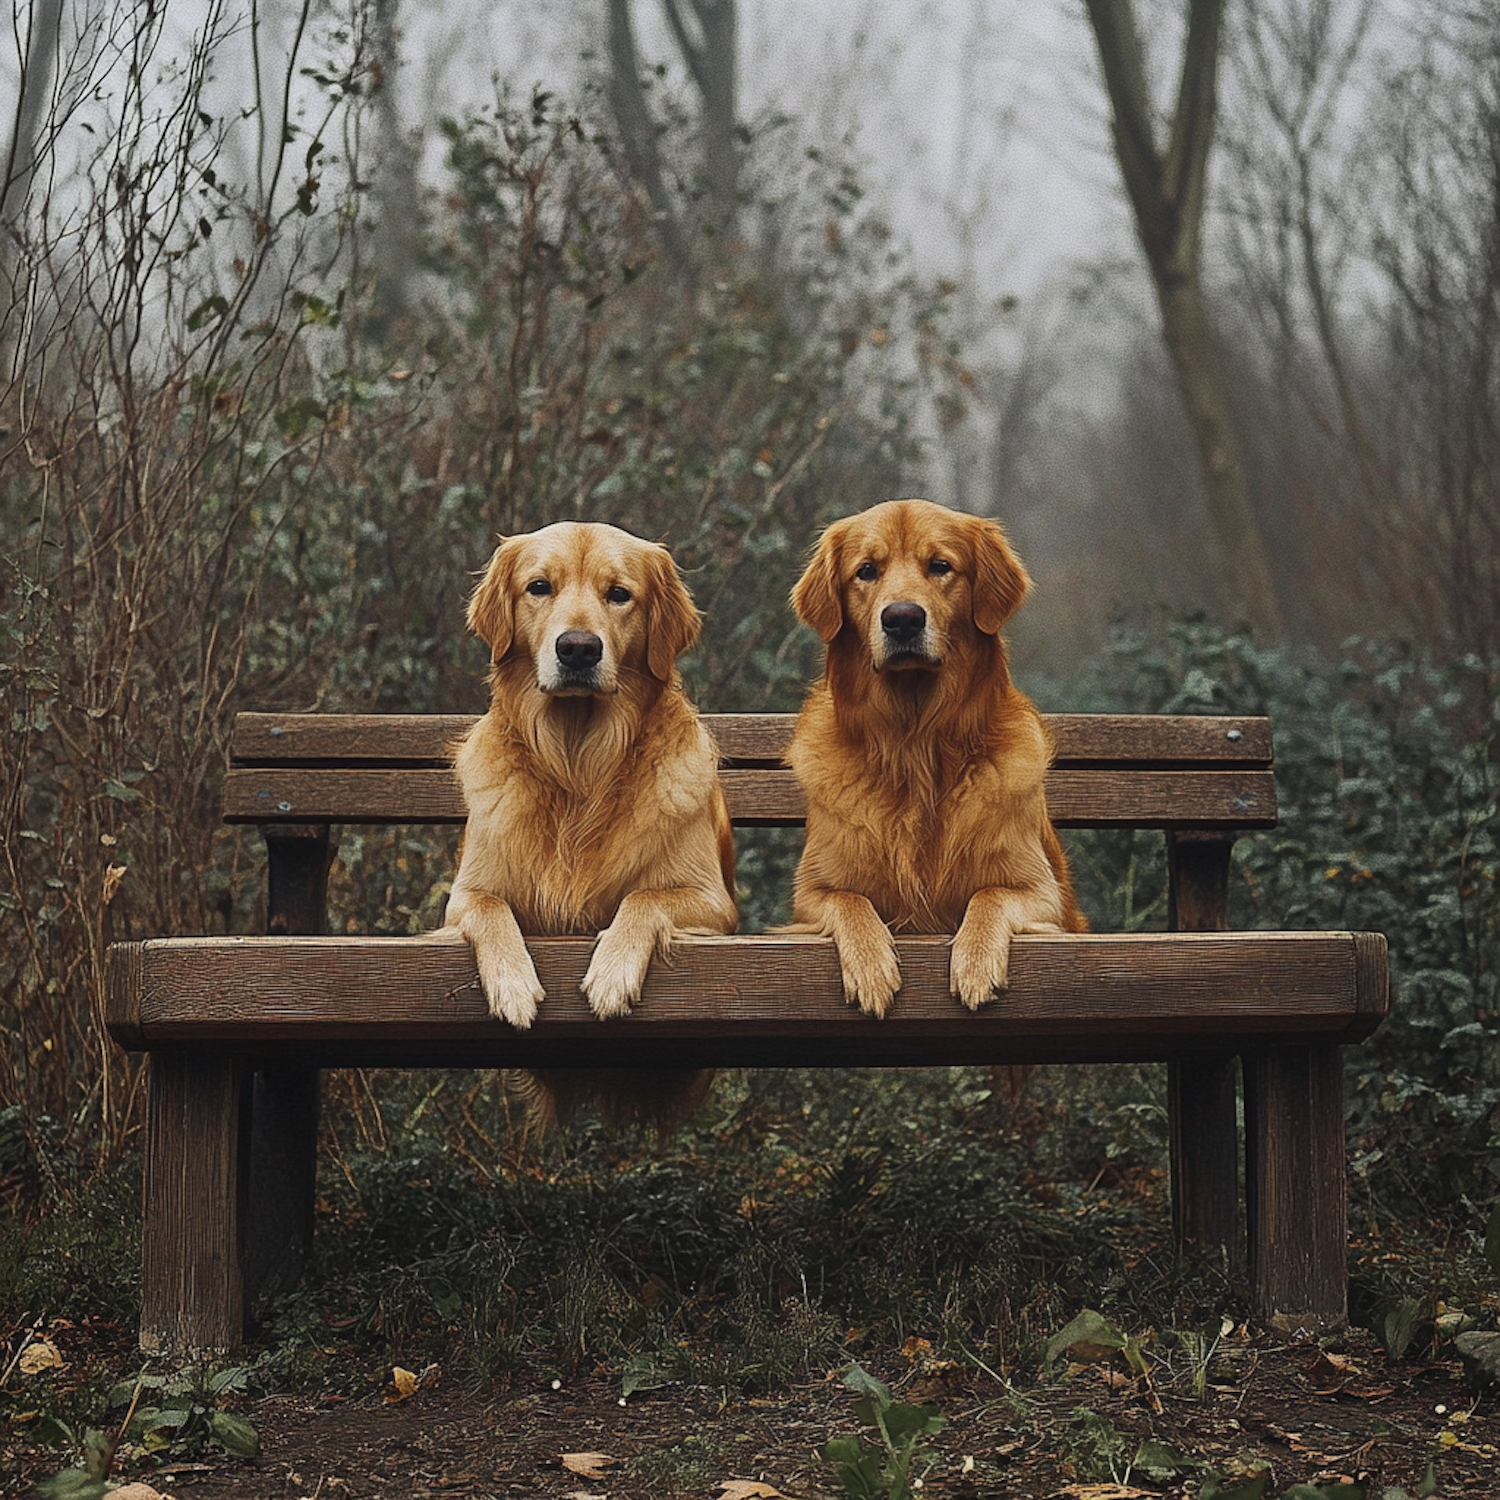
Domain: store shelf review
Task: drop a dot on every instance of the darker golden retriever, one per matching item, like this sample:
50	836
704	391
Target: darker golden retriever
922	763
591	786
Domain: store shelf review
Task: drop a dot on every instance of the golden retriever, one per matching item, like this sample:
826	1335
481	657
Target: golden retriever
592	787
923	765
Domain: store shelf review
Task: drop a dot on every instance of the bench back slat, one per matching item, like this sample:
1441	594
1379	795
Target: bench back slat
1111	770
1154	741
1108	798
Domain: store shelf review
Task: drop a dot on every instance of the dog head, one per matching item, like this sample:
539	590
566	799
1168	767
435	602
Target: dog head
589	607
907	582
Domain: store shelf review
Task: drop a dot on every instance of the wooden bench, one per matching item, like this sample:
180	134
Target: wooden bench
238	1027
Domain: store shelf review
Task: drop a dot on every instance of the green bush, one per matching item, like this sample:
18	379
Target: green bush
1388	780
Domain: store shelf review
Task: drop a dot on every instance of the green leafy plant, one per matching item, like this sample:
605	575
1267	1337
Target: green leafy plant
180	1415
883	1467
1091	1336
90	1482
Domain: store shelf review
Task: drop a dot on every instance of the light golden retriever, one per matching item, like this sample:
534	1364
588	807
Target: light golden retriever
923	765
591	786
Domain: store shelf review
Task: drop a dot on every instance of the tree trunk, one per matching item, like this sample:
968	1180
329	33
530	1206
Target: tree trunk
393	244
29	118
1167	191
638	133
712	61
1249	591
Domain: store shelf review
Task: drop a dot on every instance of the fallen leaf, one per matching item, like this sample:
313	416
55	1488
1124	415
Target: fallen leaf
747	1489
1329	1373
405	1383
137	1491
587	1465
39	1355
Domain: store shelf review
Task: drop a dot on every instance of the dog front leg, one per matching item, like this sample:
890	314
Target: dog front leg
980	965
506	972
644	925
866	949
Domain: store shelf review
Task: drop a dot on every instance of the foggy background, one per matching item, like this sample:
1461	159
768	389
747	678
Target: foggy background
1345	247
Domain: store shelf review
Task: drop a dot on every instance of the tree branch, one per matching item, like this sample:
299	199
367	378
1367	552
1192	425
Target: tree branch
638	132
1186	168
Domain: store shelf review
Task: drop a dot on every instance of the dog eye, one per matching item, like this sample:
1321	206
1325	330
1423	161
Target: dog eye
867	572
538	586
938	566
618	595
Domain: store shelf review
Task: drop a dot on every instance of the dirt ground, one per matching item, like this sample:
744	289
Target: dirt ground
1311	1412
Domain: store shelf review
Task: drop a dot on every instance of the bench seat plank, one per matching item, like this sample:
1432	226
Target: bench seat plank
769	1001
1186	798
747	739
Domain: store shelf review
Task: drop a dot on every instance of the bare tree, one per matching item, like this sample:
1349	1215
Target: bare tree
706	35
1167	189
392	247
1363	202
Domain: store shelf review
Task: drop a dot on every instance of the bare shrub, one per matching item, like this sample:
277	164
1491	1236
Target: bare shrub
226	486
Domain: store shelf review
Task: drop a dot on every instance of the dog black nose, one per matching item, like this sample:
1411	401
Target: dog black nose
903	622
579	648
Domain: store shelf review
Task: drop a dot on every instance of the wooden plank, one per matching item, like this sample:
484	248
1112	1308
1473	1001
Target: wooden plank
1076	799
764	1000
1161	739
192	1296
746	739
361	739
1203	1094
1296	1174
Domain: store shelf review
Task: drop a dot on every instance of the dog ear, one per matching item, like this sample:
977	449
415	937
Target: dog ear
1000	581
817	597
672	619
492	610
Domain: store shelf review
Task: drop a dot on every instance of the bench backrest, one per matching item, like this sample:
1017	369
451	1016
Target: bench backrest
1111	770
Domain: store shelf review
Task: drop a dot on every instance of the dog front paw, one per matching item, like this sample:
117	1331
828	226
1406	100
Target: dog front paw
616	973
979	967
871	974
512	992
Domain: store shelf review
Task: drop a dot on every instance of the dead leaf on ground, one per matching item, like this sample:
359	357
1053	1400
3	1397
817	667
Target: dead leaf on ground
405	1383
588	1465
137	1491
39	1355
1329	1373
747	1489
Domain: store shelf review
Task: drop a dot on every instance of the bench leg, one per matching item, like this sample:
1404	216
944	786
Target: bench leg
1296	1173
192	1301
1203	1096
283	1170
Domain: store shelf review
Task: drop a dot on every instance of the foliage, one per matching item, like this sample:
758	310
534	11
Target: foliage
882	1467
182	1414
222	490
1388	780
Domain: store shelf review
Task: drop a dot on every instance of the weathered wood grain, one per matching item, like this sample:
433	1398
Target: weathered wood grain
1296	1173
748	739
1075	798
738	1001
192	1290
1203	1093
